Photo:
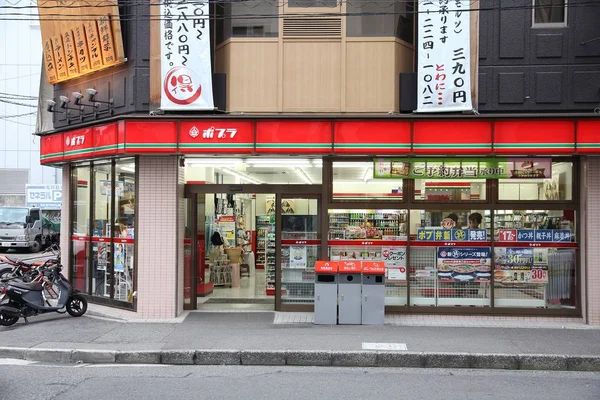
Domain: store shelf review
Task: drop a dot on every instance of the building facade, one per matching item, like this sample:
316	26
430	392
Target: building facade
308	156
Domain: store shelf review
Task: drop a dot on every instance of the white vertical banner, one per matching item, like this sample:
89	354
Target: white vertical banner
444	65
186	73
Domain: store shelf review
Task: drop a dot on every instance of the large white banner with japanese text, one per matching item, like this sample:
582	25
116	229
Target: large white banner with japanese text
444	67
185	56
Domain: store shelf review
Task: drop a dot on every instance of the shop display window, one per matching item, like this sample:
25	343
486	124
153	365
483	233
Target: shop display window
450	258
80	189
535	258
254	170
450	190
373	235
101	232
543	179
356	181
110	228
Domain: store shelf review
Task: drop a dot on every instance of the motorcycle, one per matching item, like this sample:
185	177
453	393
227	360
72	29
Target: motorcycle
26	299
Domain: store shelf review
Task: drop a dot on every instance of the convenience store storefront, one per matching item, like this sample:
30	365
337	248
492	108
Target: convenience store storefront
401	191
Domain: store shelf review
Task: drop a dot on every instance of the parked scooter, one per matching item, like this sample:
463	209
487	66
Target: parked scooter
49	291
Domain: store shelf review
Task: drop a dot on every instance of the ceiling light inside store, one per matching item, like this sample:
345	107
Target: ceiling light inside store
303	175
241	176
212	162
126	169
283	162
368	174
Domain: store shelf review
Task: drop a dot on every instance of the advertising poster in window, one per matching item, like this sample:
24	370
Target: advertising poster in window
521	265
186	74
464	264
394	258
298	257
119	258
444	63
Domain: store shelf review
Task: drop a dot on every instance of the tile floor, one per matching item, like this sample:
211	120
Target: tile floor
453	320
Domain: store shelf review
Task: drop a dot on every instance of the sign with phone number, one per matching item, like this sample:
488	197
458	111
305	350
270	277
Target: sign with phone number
44	196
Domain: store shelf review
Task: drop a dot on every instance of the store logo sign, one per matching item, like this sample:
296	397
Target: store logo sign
77	140
221	133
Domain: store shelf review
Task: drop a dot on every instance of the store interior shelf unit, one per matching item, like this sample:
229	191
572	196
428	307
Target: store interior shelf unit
265	249
366	225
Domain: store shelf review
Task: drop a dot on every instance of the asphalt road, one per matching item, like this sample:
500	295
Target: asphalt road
95	382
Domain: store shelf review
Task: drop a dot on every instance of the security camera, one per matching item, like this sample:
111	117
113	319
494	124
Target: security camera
91	93
50	105
64	101
77	98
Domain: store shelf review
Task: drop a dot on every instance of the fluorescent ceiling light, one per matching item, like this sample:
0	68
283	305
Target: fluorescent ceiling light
279	162
241	176
125	168
350	164
303	175
213	161
368	174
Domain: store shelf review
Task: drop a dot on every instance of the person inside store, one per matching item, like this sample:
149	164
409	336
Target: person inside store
219	243
475	220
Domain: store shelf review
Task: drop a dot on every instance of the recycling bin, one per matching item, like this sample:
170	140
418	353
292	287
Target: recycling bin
349	293
373	293
326	291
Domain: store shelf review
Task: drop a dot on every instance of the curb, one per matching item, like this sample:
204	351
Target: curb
393	359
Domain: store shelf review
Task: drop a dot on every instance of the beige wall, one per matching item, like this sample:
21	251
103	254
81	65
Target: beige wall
329	75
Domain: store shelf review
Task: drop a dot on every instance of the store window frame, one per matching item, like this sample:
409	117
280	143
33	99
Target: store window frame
89	293
288	8
543	203
534	12
491	203
328	166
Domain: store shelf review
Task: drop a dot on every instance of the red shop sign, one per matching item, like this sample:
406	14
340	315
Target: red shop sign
150	137
452	137
51	148
78	144
371	137
534	137
588	137
223	136
293	137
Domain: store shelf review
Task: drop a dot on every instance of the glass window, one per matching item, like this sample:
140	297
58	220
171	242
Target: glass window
450	190
80	188
313	3
101	232
254	170
300	249
355	181
546	180
381	18
450	258
373	235
124	230
535	258
262	19
549	12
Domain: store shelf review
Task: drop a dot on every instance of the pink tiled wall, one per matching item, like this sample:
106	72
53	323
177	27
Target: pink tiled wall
65	220
159	237
592	239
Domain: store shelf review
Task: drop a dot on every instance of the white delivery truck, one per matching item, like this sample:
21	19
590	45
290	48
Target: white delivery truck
28	228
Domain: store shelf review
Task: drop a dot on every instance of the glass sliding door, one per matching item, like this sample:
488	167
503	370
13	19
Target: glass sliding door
300	248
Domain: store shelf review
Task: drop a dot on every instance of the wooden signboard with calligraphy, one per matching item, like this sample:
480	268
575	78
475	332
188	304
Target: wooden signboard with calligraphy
79	37
49	61
59	58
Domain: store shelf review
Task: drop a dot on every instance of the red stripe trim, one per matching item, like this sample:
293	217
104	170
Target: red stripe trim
301	242
537	244
450	243
97	239
82	238
367	242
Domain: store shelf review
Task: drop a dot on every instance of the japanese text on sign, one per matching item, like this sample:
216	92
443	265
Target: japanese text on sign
455	235
444	56
185	56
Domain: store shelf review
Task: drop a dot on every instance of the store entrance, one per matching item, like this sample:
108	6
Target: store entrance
251	246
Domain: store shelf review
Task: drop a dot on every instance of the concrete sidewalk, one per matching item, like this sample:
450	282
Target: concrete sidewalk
269	338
